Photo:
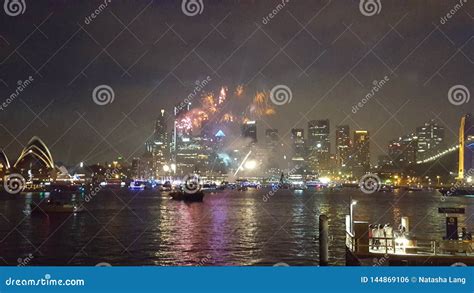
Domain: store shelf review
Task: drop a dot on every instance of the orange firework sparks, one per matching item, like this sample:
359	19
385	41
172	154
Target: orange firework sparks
239	90
222	95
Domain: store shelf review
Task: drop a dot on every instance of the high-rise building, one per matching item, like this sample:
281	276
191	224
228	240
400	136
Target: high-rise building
430	139
343	145
249	130
361	153
319	144
402	151
160	145
271	138
297	138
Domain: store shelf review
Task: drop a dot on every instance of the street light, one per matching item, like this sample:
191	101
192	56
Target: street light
353	203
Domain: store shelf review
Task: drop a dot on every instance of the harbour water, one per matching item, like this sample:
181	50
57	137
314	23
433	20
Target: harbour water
230	228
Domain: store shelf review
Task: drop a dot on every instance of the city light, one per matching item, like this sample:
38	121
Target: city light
250	165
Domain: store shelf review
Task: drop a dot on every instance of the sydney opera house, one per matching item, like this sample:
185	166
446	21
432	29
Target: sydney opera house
35	161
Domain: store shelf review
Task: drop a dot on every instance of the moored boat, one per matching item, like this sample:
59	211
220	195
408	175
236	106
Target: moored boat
187	196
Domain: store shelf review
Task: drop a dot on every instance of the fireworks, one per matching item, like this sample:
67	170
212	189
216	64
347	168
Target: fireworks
217	109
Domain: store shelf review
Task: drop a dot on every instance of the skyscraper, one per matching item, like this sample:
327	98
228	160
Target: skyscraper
402	151
271	138
430	139
361	154
297	138
249	130
343	144
318	143
160	146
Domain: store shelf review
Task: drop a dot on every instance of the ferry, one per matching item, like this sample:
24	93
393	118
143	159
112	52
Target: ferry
462	191
52	206
137	185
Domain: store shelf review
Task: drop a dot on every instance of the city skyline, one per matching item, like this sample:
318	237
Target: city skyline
323	86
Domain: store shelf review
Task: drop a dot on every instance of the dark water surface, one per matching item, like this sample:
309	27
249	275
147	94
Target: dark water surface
230	228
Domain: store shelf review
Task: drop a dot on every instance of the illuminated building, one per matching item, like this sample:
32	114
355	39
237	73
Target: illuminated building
318	143
361	153
466	147
402	151
4	163
272	138
160	145
249	130
343	144
36	160
297	138
430	139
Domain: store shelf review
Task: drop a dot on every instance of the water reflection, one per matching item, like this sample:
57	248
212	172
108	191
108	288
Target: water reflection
228	228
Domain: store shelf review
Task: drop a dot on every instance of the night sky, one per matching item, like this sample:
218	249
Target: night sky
327	52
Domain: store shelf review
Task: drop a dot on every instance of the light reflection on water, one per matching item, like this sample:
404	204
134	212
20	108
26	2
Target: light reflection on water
228	228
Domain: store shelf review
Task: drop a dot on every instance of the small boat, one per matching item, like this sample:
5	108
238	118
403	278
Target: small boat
186	196
415	188
54	207
386	188
137	185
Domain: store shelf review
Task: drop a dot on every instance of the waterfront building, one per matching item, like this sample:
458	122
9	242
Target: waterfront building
249	131
402	151
343	145
298	143
430	139
318	144
160	144
361	153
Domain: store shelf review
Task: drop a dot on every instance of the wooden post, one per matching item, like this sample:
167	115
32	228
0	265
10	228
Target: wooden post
323	240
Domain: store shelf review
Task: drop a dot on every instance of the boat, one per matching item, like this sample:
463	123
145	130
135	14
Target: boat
415	188
137	185
187	196
386	188
55	207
